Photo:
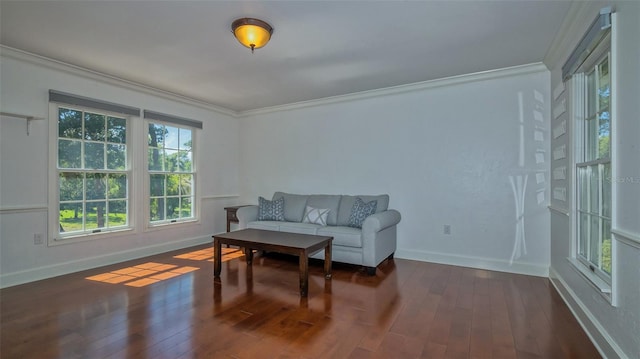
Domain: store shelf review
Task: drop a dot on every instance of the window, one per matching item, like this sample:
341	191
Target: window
93	151
92	171
589	68
171	173
593	170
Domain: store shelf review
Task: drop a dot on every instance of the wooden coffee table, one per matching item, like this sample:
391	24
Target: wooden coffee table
301	245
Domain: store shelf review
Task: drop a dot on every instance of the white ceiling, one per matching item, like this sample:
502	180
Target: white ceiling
319	48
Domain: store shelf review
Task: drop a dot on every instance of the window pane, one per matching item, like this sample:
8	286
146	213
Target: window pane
583	235
117	186
155	159
156	135
94	127
594	189
96	215
171	160
71	216
71	186
173	208
594	241
185	207
96	186
591	94
583	188
185	161
604	136
116	157
185	184
185	139
606	246
591	139
117	213
156	209
69	123
606	190
156	185
116	130
603	84
171	137
173	185
69	154
94	155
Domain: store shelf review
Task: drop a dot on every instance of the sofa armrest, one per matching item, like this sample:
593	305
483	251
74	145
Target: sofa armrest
379	221
246	214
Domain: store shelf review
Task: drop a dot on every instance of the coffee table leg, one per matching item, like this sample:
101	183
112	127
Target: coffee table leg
217	257
304	274
327	261
248	254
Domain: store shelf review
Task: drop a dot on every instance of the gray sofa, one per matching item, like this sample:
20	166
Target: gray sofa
368	246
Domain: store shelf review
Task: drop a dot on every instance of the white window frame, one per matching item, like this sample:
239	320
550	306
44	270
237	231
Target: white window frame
195	218
56	237
581	162
603	284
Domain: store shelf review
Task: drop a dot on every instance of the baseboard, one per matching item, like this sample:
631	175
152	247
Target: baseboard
605	344
31	275
474	262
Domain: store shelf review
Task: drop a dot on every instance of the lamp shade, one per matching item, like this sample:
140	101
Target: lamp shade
252	33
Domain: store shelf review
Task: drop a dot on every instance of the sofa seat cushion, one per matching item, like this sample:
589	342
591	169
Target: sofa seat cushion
266	225
343	236
292	227
300	228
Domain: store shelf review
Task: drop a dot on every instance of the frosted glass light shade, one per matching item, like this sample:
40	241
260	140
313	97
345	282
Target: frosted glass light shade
252	33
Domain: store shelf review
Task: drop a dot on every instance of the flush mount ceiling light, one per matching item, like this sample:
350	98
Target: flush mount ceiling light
252	33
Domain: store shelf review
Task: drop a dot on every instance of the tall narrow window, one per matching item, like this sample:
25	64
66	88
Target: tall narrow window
171	173
593	166
92	165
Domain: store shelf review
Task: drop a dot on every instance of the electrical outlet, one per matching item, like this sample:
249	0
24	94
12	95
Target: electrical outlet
447	229
38	238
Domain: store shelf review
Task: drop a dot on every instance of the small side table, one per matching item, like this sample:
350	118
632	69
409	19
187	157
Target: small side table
231	215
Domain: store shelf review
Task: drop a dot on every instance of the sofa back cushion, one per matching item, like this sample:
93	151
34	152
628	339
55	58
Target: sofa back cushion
294	205
328	201
347	202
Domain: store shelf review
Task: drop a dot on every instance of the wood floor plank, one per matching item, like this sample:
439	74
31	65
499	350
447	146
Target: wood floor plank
170	306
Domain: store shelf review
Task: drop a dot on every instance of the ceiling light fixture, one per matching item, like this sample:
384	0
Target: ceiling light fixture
252	33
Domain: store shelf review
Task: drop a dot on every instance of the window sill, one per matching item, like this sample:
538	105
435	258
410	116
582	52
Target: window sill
58	240
596	282
167	225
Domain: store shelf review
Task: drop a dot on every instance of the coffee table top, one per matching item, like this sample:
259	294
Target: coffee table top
292	240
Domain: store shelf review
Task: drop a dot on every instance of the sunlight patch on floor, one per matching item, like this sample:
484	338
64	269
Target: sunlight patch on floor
207	254
144	274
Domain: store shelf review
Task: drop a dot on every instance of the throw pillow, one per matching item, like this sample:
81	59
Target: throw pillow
360	211
270	210
315	215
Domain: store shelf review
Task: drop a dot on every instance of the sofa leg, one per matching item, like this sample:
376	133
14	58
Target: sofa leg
371	271
390	256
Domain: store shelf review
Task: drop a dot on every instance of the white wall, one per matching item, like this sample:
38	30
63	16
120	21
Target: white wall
443	151
26	81
615	330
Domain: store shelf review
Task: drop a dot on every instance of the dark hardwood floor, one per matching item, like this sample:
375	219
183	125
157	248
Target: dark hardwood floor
169	306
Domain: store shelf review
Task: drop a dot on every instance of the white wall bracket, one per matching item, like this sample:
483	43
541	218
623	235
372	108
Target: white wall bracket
28	118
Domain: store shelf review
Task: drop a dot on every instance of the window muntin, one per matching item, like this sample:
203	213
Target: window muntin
171	173
593	166
92	163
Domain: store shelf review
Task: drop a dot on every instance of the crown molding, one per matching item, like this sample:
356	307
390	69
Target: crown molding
9	52
395	90
20	55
